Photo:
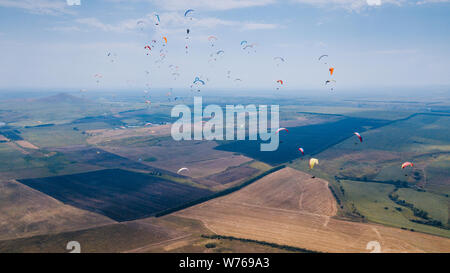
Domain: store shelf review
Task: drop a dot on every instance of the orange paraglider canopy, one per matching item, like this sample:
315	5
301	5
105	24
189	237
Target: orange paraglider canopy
331	70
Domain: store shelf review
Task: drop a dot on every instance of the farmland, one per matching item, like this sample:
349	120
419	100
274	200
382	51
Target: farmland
313	138
292	216
118	194
114	173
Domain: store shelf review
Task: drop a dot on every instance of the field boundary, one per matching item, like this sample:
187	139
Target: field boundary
264	243
221	193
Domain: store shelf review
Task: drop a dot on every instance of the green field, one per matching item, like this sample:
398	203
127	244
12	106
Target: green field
363	176
372	201
437	206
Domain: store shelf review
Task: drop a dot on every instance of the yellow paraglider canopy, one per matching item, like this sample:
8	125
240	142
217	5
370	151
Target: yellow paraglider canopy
312	162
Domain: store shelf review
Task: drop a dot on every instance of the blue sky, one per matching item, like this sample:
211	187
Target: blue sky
370	43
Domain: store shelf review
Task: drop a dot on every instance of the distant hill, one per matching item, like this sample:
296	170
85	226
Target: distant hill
62	98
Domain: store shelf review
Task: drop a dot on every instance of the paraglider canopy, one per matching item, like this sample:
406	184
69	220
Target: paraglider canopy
331	70
313	162
187	12
182	169
281	129
197	79
301	150
407	164
359	136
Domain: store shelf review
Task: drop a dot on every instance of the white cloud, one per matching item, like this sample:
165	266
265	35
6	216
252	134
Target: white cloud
349	4
120	27
374	2
432	2
173	22
65	28
37	6
396	51
258	26
209	4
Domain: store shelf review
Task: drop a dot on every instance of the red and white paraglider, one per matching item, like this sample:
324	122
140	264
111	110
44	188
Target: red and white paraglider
407	164
359	136
281	129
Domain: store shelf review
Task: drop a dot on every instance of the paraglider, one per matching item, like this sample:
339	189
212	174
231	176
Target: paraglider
212	39
302	151
182	169
140	24
243	42
331	71
112	56
313	162
157	18
279	60
220	52
198	80
165	39
323	56
187	12
359	136
98	77
248	46
407	164
281	129
148	47
280	82
330	81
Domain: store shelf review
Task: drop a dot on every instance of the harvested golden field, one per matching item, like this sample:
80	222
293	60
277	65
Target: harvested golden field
17	147
185	236
292	190
165	234
289	208
26	212
26	144
116	237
